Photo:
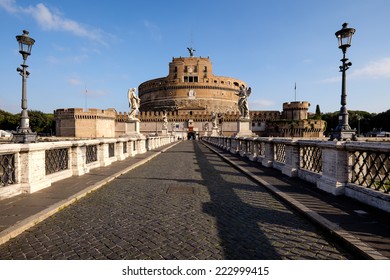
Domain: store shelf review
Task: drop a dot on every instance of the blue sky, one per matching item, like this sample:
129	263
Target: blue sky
108	47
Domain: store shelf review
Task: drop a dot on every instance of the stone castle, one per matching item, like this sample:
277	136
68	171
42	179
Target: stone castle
183	103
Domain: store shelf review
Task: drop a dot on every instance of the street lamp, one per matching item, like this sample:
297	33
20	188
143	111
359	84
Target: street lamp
24	133
343	131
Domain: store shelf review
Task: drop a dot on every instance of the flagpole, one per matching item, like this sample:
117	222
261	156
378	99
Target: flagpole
295	95
86	93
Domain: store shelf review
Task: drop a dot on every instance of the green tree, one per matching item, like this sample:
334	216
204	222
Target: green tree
317	115
39	122
382	121
9	121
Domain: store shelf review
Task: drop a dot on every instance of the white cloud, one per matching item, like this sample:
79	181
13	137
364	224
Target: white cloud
331	80
153	29
75	82
375	69
9	6
261	103
53	20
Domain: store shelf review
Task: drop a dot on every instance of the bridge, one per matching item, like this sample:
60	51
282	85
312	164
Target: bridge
161	199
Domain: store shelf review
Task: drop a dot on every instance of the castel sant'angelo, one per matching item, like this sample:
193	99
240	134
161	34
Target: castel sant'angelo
184	103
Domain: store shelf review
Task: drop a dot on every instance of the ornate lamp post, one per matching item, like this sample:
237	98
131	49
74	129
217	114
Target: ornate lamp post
343	131
24	133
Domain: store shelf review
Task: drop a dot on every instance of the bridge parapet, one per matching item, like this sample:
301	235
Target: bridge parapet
360	170
27	168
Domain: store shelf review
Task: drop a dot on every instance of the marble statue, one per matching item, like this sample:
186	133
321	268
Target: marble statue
243	95
134	103
214	119
165	121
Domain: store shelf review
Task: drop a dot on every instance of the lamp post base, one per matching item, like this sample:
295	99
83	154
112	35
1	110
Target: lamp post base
24	137
342	135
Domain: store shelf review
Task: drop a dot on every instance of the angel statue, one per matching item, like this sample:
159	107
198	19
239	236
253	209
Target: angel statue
243	95
165	121
214	119
191	51
134	103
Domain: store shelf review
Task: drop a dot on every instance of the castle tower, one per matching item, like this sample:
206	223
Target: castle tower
190	86
295	111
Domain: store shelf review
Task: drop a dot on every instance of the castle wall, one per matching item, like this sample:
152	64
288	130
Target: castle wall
91	123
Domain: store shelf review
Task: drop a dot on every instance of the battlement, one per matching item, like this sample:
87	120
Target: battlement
296	105
80	113
296	110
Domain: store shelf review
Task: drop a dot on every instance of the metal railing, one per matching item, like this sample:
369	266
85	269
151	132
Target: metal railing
56	160
91	154
371	170
311	158
280	152
7	170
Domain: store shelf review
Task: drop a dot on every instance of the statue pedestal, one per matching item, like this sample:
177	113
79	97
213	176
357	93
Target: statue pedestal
243	128
164	131
130	127
214	131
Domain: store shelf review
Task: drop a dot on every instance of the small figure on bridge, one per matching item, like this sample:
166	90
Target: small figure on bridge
134	103
214	119
243	95
165	121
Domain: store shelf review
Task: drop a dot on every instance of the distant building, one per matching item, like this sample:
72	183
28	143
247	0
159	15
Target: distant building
187	97
91	123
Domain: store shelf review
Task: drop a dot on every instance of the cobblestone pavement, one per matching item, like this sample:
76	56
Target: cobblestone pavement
184	204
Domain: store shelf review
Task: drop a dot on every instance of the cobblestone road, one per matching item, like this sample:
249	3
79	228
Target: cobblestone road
185	204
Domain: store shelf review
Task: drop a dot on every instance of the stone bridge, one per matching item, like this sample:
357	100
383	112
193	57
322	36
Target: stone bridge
161	199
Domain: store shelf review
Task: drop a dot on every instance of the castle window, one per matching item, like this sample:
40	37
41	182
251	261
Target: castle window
205	69
190	79
195	68
185	69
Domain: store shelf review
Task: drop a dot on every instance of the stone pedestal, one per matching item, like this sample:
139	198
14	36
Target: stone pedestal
214	131
129	127
243	128
28	137
164	131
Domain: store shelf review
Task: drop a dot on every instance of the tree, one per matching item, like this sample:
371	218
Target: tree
382	121
9	121
317	115
39	122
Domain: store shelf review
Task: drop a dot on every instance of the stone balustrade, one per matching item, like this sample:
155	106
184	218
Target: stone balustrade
27	168
360	170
